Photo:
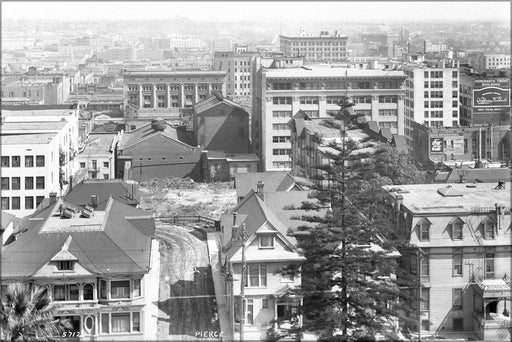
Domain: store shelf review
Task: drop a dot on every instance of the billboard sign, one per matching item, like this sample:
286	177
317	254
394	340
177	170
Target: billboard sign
436	146
490	95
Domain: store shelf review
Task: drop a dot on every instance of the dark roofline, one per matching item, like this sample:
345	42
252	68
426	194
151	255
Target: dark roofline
39	107
315	37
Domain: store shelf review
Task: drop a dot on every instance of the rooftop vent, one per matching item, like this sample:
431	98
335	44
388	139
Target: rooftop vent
67	213
158	124
500	186
448	191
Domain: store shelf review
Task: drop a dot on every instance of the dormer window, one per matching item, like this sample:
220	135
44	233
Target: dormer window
424	230
489	229
266	240
456	228
65	265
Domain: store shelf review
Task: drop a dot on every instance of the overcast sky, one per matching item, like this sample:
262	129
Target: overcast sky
256	10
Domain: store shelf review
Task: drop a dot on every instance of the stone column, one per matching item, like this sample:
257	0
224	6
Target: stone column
154	96
196	94
375	108
141	97
168	94
182	89
209	88
322	101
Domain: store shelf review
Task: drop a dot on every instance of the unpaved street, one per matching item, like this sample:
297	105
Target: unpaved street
187	298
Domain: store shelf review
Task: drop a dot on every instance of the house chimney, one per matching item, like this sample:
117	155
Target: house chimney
399	200
234	218
259	189
94	201
53	197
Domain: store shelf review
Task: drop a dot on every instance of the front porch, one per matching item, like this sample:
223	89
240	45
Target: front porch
492	304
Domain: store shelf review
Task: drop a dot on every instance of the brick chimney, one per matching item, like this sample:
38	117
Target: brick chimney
53	197
259	190
94	201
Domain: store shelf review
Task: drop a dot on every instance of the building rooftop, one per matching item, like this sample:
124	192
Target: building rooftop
272	181
457	198
29	138
214	101
144	132
99	144
166	72
32	126
121	244
118	189
331	71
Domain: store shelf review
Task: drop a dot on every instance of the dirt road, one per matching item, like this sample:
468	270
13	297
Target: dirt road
187	297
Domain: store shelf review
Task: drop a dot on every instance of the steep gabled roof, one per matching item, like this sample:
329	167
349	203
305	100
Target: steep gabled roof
145	132
214	101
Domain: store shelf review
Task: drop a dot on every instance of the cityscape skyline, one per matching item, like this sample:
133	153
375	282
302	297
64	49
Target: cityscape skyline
243	11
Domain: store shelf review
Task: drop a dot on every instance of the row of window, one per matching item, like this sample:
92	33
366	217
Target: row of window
439	104
281	152
15	161
256	276
146	87
280	139
438	74
281	165
15	183
456	230
14	203
438	84
388	112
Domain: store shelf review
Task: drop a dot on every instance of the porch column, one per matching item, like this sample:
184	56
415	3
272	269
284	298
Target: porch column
275	312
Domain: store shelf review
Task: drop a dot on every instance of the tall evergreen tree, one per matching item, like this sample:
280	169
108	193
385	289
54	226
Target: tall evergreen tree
346	284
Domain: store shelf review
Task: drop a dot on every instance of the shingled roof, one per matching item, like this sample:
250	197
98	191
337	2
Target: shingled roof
114	241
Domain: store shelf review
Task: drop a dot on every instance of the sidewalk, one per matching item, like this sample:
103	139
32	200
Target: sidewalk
218	282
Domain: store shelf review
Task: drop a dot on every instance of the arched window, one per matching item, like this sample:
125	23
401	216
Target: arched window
88	292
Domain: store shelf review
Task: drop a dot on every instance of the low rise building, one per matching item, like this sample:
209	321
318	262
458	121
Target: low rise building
163	93
99	266
96	160
156	150
460	237
433	145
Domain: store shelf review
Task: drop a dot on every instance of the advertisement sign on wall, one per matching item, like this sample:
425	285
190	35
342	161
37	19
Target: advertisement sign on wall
436	146
491	94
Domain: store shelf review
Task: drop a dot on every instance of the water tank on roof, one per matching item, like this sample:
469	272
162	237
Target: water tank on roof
158	124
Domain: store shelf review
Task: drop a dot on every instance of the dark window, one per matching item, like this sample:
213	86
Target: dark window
29	183
105	164
88	292
15	161
39	161
5	203
29	161
39	199
15	183
16	203
457	299
59	292
65	265
82	165
5	161
29	202
39	182
457	262
5	183
104	323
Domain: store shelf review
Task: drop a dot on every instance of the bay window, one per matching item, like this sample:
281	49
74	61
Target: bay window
120	289
117	322
120	322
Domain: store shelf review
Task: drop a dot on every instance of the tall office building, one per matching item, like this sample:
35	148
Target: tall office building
431	96
317	91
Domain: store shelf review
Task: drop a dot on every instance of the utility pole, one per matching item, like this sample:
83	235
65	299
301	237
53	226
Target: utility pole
242	282
420	262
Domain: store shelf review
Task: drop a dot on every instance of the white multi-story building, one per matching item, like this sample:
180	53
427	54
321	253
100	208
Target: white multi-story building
317	91
431	96
323	48
38	156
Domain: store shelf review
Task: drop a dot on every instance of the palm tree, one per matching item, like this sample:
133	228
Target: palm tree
26	315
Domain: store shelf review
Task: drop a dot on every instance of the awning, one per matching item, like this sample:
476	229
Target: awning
495	288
